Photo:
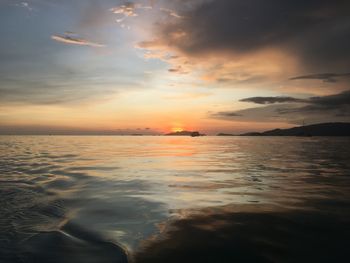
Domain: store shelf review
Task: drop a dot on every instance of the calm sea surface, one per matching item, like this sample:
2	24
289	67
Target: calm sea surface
174	199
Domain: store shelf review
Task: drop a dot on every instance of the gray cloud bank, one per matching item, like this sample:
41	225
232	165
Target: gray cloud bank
271	100
293	110
336	100
326	77
316	31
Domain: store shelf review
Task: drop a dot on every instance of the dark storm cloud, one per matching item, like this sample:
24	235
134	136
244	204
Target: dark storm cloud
339	102
336	100
322	108
317	31
271	100
332	101
326	77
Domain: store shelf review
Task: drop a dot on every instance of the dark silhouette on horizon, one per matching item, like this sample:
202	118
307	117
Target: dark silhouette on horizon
321	129
185	133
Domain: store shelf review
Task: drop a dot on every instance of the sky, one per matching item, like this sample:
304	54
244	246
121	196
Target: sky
155	66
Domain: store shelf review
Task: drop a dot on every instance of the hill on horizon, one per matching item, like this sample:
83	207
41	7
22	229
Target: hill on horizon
321	129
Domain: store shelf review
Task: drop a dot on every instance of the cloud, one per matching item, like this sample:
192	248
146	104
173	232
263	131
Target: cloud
59	86
69	39
326	77
178	69
293	110
44	92
170	12
314	34
25	5
329	102
335	100
245	26
127	9
227	114
271	100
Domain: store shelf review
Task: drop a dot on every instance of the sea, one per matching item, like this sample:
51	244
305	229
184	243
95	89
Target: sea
174	199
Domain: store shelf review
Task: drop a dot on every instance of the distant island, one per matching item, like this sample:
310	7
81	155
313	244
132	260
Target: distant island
321	129
185	133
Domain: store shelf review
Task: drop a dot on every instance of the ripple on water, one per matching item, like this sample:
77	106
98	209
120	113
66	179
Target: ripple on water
71	243
74	199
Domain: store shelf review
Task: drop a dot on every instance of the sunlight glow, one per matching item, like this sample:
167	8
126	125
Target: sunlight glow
177	129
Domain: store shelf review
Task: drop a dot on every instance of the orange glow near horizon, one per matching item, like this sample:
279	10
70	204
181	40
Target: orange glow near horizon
177	129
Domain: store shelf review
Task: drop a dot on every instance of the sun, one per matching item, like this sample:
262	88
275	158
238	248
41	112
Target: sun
177	129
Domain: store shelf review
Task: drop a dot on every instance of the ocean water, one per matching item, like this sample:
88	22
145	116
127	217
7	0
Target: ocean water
174	199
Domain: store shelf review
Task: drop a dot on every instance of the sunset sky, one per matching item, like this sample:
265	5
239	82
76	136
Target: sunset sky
104	66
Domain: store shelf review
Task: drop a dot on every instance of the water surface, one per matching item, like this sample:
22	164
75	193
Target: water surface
174	199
